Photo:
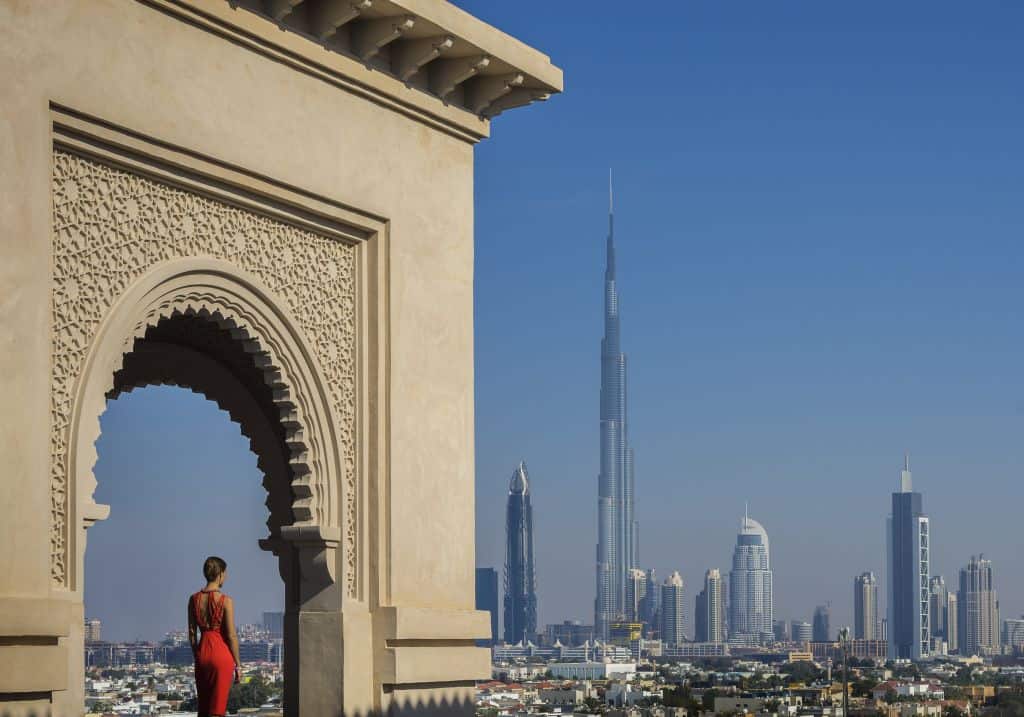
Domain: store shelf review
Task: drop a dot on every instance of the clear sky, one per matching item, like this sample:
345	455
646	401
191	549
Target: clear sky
819	215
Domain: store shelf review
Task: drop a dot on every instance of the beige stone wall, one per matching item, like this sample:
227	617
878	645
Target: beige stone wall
146	71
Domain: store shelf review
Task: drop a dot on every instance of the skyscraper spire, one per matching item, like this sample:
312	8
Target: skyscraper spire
520	483
906	479
618	534
611	206
609	272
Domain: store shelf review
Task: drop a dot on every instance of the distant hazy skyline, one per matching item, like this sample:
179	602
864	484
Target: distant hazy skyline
819	226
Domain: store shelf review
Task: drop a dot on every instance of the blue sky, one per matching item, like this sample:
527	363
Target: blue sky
819	222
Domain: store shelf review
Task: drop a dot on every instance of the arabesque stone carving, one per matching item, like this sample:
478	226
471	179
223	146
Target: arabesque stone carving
110	226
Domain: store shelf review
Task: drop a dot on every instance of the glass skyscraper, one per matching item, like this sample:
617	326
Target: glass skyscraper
751	604
822	624
520	623
617	531
909	624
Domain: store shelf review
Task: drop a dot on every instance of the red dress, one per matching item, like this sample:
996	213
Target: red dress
215	665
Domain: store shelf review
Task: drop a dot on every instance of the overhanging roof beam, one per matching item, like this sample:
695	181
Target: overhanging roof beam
280	9
370	36
516	97
409	56
446	75
486	89
327	16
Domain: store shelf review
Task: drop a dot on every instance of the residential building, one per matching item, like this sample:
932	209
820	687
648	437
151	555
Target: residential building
979	609
673	611
865	607
909	572
953	622
520	621
1013	634
93	629
801	631
751	606
869	649
636	592
710	620
561	696
938	605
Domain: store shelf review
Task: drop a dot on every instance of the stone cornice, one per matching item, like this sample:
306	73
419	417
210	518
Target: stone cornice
425	59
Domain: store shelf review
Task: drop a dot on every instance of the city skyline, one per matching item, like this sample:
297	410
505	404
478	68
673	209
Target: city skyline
866	588
799	313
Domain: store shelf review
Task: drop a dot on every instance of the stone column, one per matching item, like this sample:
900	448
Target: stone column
313	641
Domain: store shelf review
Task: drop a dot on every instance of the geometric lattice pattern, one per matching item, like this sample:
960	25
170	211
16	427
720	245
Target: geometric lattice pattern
110	226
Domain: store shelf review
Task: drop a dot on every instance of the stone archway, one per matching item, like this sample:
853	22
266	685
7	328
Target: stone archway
297	176
202	325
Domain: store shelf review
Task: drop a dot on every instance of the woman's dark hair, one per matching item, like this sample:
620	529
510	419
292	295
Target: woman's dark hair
213	567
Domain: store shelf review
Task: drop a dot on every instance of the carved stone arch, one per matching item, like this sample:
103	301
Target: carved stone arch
225	297
212	327
159	361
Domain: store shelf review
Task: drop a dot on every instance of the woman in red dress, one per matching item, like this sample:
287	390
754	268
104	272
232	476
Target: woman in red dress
216	652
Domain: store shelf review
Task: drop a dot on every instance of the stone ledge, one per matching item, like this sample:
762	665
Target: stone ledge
32	667
34	617
415	665
421	623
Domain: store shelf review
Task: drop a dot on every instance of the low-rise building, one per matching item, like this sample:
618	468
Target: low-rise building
689	650
979	694
592	670
920	690
561	696
912	709
743	705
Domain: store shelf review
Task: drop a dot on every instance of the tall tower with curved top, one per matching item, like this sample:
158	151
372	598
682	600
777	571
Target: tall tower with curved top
520	576
617	529
751	603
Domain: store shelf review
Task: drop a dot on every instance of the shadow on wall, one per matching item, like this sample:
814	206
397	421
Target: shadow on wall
443	708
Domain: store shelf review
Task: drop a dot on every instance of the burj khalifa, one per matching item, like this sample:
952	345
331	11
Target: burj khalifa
617	530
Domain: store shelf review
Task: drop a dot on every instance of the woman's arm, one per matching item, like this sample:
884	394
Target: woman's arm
229	628
192	639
